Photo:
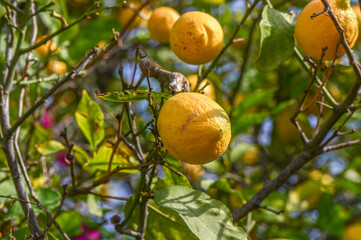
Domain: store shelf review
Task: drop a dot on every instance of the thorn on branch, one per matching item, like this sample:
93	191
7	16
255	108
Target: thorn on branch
58	16
325	10
270	210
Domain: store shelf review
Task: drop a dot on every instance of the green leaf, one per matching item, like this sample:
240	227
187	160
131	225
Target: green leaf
39	136
48	197
276	39
257	98
158	218
81	155
243	122
207	218
93	206
22	233
70	222
51	147
130	95
102	158
90	119
332	217
170	178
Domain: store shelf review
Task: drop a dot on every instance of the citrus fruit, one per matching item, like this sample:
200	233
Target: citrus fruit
313	35
57	67
352	232
208	91
196	37
194	128
46	48
126	14
251	157
161	22
356	8
193	171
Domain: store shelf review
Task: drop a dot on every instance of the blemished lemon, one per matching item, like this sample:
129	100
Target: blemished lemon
312	35
57	67
161	22
194	128
352	232
196	37
46	48
208	91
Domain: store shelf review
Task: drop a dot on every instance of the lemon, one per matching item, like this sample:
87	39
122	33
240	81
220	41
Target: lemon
126	14
352	232
196	37
57	67
194	128
313	35
208	91
161	22
46	48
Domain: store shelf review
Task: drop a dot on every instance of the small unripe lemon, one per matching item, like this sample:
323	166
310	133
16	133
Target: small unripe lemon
208	91
352	232
57	67
161	22
46	48
312	35
194	128
196	37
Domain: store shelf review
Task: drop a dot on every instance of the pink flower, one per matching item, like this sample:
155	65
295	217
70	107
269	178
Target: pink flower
61	159
88	235
46	120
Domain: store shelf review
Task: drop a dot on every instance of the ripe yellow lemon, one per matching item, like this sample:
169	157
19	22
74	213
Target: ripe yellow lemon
161	22
194	128
352	232
127	13
313	35
46	48
208	91
57	67
356	8
196	37
193	171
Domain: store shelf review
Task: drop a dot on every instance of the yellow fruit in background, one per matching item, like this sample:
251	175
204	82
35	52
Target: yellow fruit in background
251	157
161	22
194	128
196	37
193	171
208	91
285	129
46	48
57	67
314	34
127	13
352	232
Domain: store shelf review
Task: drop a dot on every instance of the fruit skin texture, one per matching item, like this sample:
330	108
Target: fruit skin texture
356	8
314	34
352	232
161	22
196	37
208	91
194	128
57	67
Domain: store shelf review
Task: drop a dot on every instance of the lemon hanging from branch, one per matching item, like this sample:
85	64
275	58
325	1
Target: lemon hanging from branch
315	30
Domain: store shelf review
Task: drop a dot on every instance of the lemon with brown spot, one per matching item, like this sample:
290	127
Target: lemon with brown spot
161	22
196	37
208	90
314	34
194	128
